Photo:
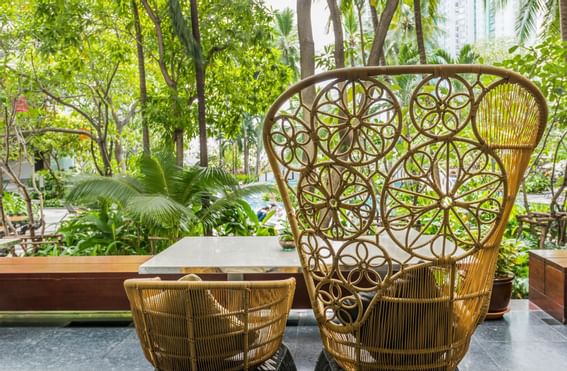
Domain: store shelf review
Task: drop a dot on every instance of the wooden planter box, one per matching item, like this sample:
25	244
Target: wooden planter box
548	288
90	283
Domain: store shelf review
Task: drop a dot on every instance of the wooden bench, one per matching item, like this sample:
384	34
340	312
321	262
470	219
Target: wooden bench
88	283
548	286
66	283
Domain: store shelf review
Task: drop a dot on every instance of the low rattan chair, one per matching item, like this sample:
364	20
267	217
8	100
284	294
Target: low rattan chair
195	325
398	183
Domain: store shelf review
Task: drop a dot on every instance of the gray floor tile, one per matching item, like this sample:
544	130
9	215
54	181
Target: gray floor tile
519	332
524	340
533	356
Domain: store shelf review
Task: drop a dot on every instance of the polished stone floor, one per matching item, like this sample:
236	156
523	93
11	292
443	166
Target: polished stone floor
526	339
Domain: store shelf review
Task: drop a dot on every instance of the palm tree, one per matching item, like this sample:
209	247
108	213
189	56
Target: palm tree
142	76
339	52
466	55
286	39
554	16
170	200
419	31
380	32
403	29
191	41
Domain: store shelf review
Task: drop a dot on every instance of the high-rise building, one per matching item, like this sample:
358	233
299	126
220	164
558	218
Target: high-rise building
472	21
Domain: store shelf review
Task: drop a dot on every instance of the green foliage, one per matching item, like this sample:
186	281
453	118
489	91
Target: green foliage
467	55
241	220
537	183
168	200
102	231
53	185
285	234
512	255
14	204
544	64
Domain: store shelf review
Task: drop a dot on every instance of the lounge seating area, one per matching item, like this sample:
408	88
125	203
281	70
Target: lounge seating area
211	185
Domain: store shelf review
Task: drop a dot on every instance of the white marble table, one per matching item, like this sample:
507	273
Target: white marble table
232	255
236	256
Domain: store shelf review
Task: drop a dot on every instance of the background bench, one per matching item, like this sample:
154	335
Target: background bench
89	283
547	281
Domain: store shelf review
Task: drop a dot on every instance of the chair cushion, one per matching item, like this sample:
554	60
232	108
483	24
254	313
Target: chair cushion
395	325
218	335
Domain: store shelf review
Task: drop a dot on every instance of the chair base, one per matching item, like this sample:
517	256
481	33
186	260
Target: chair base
326	362
282	360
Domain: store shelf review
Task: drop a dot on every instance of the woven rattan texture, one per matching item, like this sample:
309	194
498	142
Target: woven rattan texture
186	325
428	157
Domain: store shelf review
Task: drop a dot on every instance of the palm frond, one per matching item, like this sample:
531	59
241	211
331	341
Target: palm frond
158	210
467	55
157	173
284	22
191	47
526	21
197	182
441	56
119	189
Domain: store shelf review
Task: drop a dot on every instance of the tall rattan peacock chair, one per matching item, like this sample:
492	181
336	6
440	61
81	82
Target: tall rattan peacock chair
398	183
189	325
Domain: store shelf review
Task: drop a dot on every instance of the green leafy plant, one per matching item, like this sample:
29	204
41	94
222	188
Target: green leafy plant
512	253
13	203
102	231
241	220
285	234
537	183
168	200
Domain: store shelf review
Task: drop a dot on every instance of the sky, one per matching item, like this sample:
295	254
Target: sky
319	19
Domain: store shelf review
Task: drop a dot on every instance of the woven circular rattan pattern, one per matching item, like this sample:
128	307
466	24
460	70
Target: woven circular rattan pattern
290	140
318	253
337	201
503	115
495	120
444	195
363	264
339	303
441	106
356	122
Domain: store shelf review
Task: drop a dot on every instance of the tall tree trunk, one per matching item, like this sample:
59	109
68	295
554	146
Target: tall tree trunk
306	59
221	153
373	16
381	31
200	78
563	19
25	195
361	29
419	31
3	218
119	153
246	150
142	77
338	33
179	146
306	47
257	167
105	155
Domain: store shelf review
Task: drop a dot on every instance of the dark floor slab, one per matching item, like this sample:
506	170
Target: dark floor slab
526	339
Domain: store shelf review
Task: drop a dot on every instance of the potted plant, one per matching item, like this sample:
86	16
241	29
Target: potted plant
508	256
285	237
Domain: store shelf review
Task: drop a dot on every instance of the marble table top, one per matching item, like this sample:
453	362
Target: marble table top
242	255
